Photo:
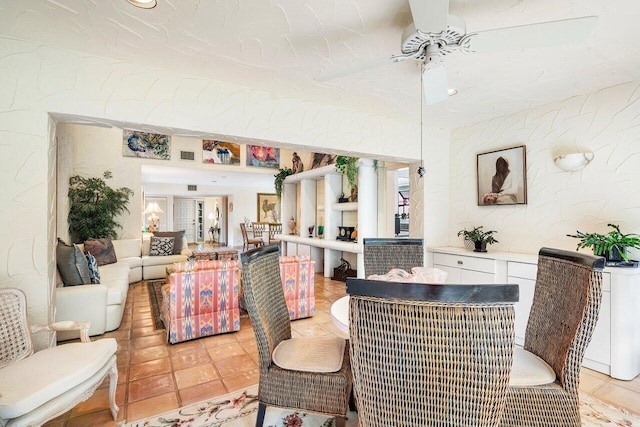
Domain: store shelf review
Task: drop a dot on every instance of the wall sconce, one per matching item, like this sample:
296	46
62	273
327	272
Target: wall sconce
153	209
574	161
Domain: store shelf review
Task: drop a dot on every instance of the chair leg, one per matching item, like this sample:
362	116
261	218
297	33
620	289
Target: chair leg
113	382
340	421
352	401
261	411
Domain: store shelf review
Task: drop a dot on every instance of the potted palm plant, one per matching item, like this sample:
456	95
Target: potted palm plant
479	237
613	245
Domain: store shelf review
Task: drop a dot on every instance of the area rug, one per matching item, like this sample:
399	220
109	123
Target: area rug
239	409
155	299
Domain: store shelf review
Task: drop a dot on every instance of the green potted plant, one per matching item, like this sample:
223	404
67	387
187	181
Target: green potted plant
479	237
94	206
348	166
279	179
613	245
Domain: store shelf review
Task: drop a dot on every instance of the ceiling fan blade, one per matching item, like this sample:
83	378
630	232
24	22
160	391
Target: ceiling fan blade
365	66
435	83
430	16
554	33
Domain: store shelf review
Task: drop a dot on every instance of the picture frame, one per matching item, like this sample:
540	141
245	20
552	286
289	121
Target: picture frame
263	157
220	152
502	176
146	145
268	208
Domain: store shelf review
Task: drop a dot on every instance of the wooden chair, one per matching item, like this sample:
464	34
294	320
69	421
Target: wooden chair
306	381
246	241
383	254
37	387
274	229
260	229
566	303
430	355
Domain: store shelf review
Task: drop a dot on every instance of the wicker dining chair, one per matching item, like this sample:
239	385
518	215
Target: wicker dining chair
566	303
299	385
246	241
430	355
383	254
38	386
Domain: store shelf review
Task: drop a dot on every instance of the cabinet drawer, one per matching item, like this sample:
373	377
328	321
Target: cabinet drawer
466	262
522	270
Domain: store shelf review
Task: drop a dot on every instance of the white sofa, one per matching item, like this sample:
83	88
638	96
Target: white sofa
103	304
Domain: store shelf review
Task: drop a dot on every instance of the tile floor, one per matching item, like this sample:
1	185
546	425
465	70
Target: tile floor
154	377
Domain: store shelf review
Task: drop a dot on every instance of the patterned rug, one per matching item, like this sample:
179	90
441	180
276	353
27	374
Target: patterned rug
155	299
239	409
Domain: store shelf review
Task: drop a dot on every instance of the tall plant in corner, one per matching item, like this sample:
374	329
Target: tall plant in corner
94	206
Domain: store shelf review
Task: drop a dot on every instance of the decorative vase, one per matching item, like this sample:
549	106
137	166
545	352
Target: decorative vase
311	227
480	246
292	226
320	231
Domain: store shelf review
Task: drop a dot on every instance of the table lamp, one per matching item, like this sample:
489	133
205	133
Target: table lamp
153	209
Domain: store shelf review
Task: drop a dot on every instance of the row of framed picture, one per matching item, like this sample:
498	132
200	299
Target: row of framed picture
158	146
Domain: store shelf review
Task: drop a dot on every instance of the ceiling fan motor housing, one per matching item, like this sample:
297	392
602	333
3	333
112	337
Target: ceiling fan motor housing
414	42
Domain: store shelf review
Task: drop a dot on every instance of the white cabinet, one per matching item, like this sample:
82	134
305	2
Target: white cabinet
523	275
598	354
463	269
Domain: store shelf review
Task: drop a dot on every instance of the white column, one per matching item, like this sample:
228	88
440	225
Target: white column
367	206
307	206
288	205
332	219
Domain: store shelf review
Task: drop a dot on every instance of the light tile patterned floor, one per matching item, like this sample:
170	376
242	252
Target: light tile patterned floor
155	377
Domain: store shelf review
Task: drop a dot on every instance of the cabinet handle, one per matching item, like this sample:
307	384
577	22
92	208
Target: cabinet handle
460	262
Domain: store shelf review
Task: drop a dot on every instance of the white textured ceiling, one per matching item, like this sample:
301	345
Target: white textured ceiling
281	45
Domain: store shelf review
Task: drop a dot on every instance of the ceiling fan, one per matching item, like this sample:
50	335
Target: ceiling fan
435	33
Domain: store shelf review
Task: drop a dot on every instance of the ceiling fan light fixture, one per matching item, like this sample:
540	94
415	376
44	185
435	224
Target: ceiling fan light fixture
144	4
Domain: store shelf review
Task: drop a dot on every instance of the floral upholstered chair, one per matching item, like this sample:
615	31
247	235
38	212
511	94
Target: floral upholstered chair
201	299
297	275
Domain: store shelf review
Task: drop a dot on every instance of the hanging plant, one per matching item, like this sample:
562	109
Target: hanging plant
279	181
349	167
94	206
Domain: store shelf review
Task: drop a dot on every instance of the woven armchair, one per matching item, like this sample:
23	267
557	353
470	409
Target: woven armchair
325	392
382	254
430	355
566	303
36	387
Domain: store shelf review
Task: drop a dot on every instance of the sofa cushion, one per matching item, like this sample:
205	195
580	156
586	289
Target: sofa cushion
102	249
162	260
127	248
179	237
51	370
94	273
161	246
72	264
116	278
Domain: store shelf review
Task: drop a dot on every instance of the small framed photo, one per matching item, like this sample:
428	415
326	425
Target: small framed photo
502	177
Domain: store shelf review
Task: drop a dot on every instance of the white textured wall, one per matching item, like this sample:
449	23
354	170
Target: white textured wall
37	80
606	122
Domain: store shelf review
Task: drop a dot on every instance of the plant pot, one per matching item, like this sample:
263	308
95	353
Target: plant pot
480	246
615	255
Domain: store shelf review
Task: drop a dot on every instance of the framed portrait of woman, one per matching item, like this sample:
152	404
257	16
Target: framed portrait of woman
502	177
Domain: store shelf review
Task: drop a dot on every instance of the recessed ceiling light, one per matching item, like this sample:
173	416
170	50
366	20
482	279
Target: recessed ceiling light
145	4
452	92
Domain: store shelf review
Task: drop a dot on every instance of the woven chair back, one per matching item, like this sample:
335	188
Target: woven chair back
15	336
264	300
381	255
566	304
424	362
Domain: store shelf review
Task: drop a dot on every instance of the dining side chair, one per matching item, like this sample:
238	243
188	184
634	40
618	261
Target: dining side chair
274	229
544	382
430	354
306	373
383	254
260	229
38	386
246	241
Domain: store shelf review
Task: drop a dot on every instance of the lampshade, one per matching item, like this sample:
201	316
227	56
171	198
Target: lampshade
153	208
574	161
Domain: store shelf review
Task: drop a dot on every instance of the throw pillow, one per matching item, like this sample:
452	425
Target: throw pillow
102	250
161	246
179	237
72	264
93	269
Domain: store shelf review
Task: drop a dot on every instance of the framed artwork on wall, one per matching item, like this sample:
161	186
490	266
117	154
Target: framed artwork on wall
502	177
264	157
268	208
146	145
219	152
